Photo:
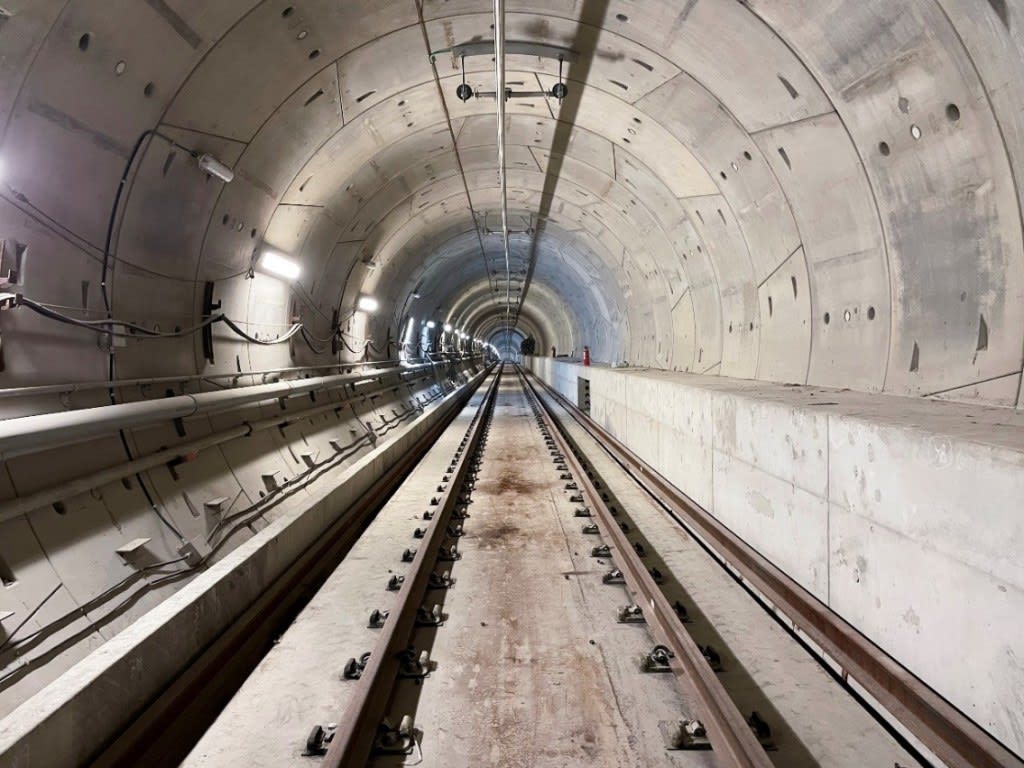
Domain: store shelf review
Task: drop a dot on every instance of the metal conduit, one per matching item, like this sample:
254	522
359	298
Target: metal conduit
29	434
25	504
499	78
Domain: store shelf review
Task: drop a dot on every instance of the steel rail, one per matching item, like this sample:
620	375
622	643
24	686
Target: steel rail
942	728
732	739
354	738
160	736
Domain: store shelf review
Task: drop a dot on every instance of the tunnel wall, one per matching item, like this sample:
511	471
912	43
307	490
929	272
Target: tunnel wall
832	200
900	514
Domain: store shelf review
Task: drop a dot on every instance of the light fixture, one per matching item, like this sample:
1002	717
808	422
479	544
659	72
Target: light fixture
215	167
367	304
447	328
279	265
431	324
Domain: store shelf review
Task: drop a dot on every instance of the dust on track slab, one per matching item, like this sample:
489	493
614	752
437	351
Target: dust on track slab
532	668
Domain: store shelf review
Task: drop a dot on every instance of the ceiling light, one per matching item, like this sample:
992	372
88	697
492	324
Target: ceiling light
215	167
431	324
368	304
277	264
447	328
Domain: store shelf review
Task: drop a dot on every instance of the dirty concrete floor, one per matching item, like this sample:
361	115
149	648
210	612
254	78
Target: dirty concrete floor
532	667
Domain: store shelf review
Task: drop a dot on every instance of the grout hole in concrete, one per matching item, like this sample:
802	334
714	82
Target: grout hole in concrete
883	147
952	112
83	42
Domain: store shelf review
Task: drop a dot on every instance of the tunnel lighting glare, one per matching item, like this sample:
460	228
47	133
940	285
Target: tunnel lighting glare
279	265
215	167
431	324
368	304
447	328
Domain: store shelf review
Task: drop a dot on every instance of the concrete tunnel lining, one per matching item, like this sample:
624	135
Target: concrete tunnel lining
778	191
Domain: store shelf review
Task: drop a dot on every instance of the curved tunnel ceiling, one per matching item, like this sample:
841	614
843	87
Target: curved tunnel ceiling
813	192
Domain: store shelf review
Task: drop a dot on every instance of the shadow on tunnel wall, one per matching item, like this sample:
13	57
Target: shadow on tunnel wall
585	43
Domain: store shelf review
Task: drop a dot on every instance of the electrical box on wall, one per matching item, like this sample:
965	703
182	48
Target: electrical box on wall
12	263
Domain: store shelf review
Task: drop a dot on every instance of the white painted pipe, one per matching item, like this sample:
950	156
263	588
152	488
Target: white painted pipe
29	434
21	506
85	386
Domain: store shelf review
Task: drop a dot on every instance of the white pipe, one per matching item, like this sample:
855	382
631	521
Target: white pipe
25	504
85	386
28	434
499	77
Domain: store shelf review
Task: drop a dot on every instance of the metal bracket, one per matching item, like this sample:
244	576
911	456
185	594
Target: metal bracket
713	659
686	734
590	528
429	617
354	667
512	48
413	666
442	580
657	660
448	554
377	618
614	576
396	741
317	741
630	614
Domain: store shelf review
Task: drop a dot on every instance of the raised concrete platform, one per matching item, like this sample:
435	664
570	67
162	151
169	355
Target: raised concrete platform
902	514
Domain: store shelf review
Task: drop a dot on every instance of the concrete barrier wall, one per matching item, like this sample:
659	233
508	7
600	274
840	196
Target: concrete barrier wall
902	514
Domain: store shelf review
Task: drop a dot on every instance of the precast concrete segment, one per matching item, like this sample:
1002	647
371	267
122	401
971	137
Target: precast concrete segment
299	684
814	720
532	667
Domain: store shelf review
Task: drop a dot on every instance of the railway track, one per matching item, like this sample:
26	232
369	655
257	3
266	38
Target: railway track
524	599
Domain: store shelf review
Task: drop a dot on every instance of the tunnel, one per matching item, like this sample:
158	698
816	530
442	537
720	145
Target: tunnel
259	258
